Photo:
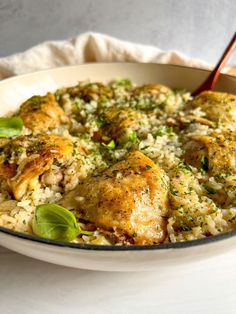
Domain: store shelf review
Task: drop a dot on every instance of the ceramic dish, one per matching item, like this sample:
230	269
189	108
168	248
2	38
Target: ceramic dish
15	90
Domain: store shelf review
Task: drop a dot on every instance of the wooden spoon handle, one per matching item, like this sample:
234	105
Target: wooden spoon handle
212	79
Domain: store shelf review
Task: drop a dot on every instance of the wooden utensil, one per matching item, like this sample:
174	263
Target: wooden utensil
212	79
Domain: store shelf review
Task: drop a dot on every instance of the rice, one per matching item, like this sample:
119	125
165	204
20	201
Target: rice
195	208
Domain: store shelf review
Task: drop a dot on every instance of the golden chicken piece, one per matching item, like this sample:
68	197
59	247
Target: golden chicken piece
220	108
119	124
156	96
90	91
7	169
41	113
214	153
40	152
154	89
131	196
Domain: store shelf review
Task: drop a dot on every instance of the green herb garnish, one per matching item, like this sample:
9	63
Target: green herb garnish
10	127
55	222
110	146
148	167
208	189
100	120
184	226
164	130
132	137
184	166
173	191
122	82
204	163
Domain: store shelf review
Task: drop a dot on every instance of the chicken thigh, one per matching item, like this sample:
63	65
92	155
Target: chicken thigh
41	113
219	108
131	196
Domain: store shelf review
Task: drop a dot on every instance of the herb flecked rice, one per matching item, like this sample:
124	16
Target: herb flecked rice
120	164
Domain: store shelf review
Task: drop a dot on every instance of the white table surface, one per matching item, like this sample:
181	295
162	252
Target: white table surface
35	287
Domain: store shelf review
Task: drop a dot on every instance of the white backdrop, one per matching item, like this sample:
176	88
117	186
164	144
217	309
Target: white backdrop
198	28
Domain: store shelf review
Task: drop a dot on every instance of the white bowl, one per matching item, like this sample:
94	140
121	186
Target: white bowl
15	90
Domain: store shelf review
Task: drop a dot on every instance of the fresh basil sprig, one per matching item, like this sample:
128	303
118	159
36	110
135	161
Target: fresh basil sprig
10	126
55	222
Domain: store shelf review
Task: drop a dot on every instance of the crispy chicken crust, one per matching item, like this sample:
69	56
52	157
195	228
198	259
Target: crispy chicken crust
41	113
40	153
219	149
220	108
131	196
119	123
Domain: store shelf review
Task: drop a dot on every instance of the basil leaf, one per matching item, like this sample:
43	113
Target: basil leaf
10	126
55	222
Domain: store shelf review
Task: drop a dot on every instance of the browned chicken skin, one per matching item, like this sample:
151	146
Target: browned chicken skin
154	89
119	123
220	108
41	151
217	150
131	196
158	95
41	113
90	91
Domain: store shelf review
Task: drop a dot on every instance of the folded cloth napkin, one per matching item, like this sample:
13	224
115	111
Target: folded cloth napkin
90	47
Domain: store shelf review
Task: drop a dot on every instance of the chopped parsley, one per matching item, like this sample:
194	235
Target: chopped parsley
100	121
110	146
164	130
184	166
132	137
204	163
122	82
148	167
209	189
173	191
184	226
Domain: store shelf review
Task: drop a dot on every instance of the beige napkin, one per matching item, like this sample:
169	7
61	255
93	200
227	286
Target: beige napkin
90	47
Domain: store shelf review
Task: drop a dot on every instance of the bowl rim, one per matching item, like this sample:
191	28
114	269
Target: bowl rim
64	67
97	247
